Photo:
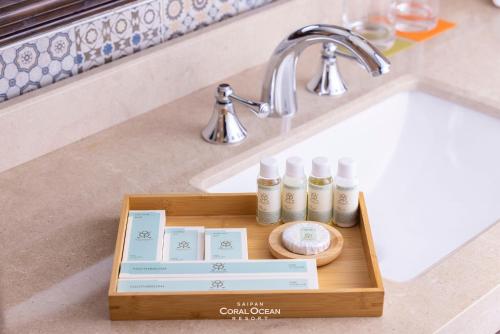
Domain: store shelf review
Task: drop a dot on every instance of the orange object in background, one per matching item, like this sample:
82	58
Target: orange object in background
424	35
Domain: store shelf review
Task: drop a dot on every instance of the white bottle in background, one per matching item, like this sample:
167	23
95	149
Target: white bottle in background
320	197
346	194
294	194
268	192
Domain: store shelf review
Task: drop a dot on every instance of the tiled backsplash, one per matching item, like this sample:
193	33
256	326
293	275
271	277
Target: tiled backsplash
53	56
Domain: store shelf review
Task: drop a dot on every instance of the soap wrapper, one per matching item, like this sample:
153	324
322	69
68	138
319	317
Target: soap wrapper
144	235
281	274
183	243
217	284
226	244
306	238
225	268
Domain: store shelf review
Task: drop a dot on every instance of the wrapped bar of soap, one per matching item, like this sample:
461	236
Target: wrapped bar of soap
306	238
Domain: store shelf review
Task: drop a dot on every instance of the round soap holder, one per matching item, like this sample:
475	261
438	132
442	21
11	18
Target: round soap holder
279	251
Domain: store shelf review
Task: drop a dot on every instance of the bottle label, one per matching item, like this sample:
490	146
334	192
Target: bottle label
346	206
268	204
320	203
294	203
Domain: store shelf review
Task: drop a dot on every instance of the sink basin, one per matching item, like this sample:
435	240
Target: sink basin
430	170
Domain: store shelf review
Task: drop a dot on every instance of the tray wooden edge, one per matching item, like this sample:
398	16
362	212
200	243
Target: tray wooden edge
120	239
368	244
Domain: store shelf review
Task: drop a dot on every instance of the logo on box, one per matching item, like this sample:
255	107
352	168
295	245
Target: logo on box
144	235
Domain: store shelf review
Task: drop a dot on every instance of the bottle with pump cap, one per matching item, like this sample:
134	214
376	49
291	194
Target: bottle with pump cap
294	194
320	199
268	193
346	194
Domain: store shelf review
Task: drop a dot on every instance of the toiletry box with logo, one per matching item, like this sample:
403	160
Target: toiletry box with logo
349	286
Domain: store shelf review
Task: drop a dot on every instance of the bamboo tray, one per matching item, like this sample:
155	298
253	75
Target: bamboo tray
349	286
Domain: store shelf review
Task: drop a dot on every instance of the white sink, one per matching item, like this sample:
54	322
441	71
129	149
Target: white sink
430	170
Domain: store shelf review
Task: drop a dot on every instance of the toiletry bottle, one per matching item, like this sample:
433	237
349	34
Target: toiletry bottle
320	198
294	194
346	194
268	192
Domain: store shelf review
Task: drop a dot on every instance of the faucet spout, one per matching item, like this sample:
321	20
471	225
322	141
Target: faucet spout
279	88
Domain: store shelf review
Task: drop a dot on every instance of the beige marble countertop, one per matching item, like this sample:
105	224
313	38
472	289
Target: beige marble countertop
60	211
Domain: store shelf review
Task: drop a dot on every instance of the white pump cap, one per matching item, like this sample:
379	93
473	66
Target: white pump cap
321	167
294	167
346	173
269	168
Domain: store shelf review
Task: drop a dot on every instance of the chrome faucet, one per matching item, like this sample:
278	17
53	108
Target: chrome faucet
224	126
328	81
279	89
279	97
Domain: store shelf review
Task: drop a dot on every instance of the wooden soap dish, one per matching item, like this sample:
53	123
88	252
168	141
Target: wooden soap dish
279	251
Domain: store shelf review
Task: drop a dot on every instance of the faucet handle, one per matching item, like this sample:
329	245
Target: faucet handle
224	127
328	80
225	94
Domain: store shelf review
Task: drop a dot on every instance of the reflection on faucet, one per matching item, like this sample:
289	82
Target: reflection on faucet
286	125
279	89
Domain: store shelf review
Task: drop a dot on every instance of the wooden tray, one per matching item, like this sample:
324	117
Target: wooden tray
349	286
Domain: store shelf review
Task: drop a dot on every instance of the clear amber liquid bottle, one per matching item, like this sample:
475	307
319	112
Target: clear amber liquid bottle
268	193
320	203
346	196
320	188
294	195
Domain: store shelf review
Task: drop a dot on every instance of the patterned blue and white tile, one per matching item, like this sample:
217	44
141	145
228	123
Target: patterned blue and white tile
244	5
116	34
48	58
36	62
182	16
175	19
